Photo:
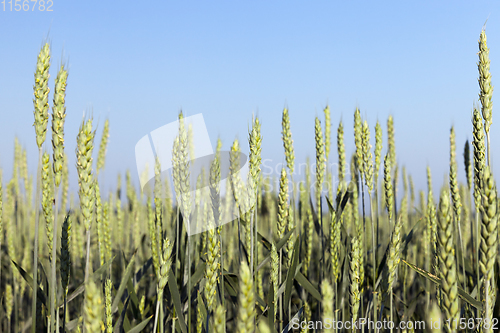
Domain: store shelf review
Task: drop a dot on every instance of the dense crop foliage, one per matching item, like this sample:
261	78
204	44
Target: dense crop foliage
343	246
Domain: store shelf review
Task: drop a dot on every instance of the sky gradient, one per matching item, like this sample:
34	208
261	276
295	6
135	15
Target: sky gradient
140	63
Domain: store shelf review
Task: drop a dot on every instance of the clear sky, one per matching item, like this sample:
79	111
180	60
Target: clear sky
139	63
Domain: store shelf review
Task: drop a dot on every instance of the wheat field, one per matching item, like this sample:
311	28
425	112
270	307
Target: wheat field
330	251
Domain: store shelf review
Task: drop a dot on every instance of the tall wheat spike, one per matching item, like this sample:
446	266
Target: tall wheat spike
479	165
41	91
389	196
335	233
391	143
212	268
85	147
354	278
274	275
486	88
489	242
58	118
320	165
41	106
455	196
282	204
48	200
447	263
341	152
287	140
109	316
99	224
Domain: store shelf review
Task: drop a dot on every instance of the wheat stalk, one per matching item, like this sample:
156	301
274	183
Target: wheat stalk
85	147
41	106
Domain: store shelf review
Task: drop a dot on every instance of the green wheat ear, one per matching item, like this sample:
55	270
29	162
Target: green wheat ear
58	117
320	164
393	256
486	89
389	196
212	268
378	150
246	303
109	315
220	319
489	241
367	157
9	301
455	192
341	152
358	140
391	143
446	254
48	200
354	278
41	91
282	204
335	235
479	155
103	147
93	308
287	140
85	147
328	130
274	275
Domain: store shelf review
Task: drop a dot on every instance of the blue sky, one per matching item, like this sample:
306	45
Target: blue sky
139	63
